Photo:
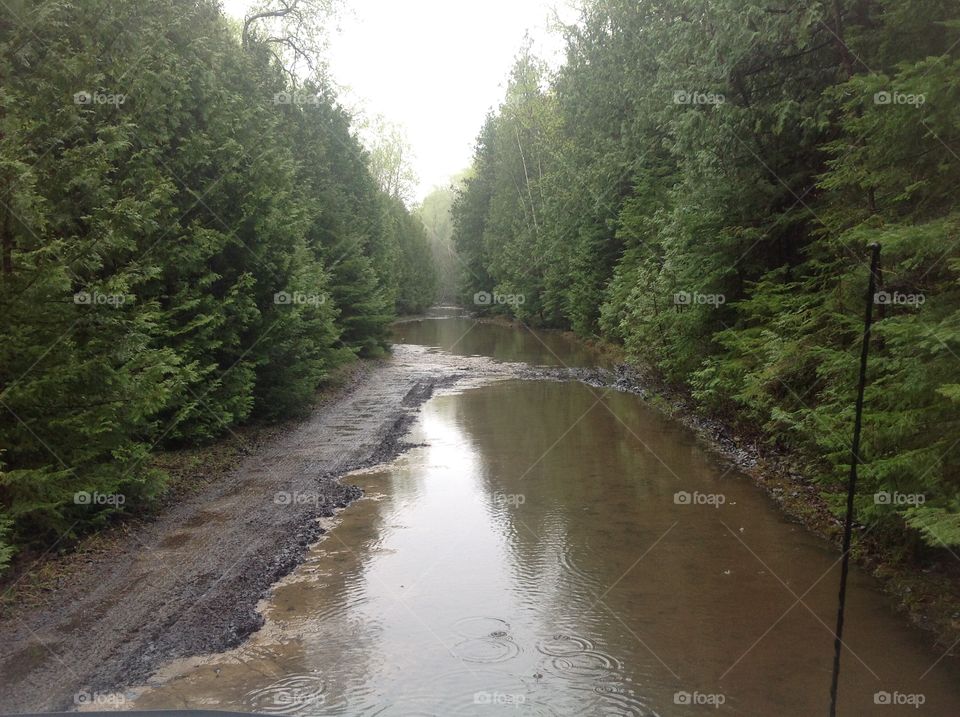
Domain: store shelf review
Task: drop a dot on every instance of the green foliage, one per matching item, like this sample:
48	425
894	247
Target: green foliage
749	156
435	215
416	272
188	241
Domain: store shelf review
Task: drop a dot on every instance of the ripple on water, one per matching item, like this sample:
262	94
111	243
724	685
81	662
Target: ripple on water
570	566
582	666
563	645
491	703
587	664
290	695
493	648
476	703
464	690
401	708
616	699
487	640
352	600
480	626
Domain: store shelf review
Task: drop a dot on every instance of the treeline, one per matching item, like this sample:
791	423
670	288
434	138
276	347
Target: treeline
700	181
434	212
189	241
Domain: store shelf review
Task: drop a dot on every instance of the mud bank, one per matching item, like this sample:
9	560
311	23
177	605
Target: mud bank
188	582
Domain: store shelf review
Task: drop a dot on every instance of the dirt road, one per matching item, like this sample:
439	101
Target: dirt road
189	582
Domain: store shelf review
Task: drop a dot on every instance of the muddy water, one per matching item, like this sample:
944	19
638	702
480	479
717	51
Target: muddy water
464	336
555	550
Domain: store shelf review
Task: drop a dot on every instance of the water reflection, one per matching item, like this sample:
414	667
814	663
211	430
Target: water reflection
532	557
466	336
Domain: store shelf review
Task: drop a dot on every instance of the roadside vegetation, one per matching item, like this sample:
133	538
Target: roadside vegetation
191	239
699	182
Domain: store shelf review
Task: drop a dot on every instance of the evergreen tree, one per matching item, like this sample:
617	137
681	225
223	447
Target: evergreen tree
190	238
711	177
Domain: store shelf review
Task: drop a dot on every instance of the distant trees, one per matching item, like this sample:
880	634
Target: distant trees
391	164
434	213
391	159
189	239
699	182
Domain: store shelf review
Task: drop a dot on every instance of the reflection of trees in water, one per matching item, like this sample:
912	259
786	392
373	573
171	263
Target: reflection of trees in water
592	502
468	337
604	493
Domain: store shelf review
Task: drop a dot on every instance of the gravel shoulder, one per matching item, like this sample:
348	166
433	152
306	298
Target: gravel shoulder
188	582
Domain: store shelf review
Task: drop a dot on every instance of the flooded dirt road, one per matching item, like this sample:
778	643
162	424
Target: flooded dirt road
549	548
188	582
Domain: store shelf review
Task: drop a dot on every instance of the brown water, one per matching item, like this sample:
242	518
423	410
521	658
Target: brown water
464	336
533	558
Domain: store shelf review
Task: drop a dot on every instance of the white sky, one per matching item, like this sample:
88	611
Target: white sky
435	67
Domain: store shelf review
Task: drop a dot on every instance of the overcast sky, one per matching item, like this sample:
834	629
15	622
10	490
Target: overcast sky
433	66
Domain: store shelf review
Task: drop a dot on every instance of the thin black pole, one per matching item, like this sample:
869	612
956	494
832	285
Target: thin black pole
852	484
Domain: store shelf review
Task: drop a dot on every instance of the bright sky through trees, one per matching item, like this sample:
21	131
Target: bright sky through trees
433	66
